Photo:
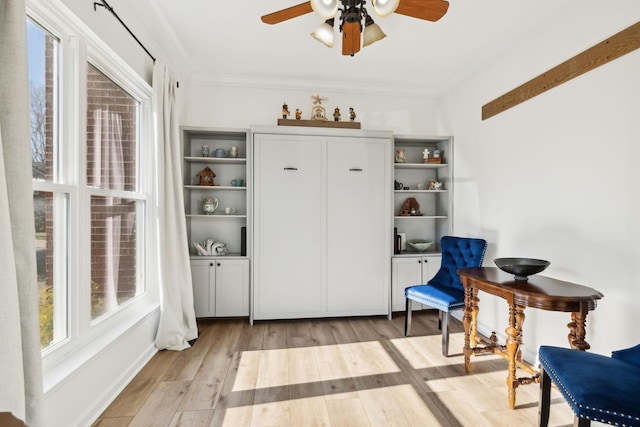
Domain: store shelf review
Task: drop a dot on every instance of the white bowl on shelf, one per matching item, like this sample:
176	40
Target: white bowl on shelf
420	245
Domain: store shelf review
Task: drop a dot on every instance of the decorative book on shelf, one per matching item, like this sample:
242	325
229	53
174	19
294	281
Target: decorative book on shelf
432	160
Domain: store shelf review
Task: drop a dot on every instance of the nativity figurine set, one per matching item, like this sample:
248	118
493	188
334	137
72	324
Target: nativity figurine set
318	111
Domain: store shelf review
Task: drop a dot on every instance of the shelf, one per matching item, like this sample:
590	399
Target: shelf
420	165
215	216
210	257
409	254
218	160
419	191
421	217
214	187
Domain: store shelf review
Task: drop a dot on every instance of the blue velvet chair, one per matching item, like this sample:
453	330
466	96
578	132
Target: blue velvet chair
445	291
597	387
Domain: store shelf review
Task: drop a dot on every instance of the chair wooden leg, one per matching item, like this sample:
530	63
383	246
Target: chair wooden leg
445	333
545	398
407	318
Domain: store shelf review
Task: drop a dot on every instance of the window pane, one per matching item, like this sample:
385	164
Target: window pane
43	87
50	210
114	253
112	134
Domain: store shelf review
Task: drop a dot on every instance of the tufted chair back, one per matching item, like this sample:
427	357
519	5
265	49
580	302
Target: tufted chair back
458	252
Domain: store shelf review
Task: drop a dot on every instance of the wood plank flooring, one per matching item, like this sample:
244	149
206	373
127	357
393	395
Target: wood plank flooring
325	372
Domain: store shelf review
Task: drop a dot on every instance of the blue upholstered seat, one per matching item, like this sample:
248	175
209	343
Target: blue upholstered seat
445	291
597	387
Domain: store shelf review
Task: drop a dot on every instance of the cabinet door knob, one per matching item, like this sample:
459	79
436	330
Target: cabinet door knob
291	169
355	170
218	264
210	264
419	261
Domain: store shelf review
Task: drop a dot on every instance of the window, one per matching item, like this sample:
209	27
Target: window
49	198
91	154
112	165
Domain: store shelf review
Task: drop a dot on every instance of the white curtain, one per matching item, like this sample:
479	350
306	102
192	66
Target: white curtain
20	360
108	172
177	318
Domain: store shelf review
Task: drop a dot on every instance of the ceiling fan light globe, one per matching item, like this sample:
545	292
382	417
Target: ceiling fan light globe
371	34
384	8
325	9
324	34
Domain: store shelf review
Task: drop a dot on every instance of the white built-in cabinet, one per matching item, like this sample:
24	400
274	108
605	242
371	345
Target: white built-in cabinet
220	287
409	271
220	282
436	208
322	215
312	232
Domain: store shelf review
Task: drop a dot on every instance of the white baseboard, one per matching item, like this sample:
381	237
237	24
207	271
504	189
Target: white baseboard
80	395
103	401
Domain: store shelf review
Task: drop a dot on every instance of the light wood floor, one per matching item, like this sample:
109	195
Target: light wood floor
326	372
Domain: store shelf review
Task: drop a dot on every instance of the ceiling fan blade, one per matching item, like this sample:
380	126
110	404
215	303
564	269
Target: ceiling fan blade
288	13
429	10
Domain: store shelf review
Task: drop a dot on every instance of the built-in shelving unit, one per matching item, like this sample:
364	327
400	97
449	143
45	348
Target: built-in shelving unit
434	218
408	267
220	282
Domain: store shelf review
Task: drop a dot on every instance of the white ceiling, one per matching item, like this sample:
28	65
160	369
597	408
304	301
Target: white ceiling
226	42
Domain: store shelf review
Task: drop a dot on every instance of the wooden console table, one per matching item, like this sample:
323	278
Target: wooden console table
537	292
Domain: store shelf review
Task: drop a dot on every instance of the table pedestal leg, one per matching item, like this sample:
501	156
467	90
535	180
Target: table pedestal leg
577	330
466	322
514	331
475	306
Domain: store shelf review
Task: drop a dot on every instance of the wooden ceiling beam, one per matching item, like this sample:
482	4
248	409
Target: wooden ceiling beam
614	47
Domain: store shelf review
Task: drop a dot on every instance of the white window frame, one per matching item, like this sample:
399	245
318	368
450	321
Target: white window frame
78	47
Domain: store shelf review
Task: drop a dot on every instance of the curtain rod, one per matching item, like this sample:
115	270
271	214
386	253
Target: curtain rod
103	3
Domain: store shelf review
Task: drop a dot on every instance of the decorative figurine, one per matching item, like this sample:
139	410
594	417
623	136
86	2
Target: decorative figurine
411	207
400	156
205	151
210	247
352	114
206	176
432	184
285	110
318	112
219	249
425	153
298	114
336	114
436	154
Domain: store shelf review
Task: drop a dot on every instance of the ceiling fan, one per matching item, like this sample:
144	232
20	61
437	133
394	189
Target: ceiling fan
355	23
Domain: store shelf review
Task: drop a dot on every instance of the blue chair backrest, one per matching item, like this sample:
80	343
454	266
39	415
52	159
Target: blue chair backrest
458	252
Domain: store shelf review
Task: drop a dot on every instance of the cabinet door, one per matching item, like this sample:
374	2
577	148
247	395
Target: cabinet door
232	287
202	276
405	272
288	233
430	266
358	217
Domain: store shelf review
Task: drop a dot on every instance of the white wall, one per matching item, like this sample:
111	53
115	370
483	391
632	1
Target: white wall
555	177
237	107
